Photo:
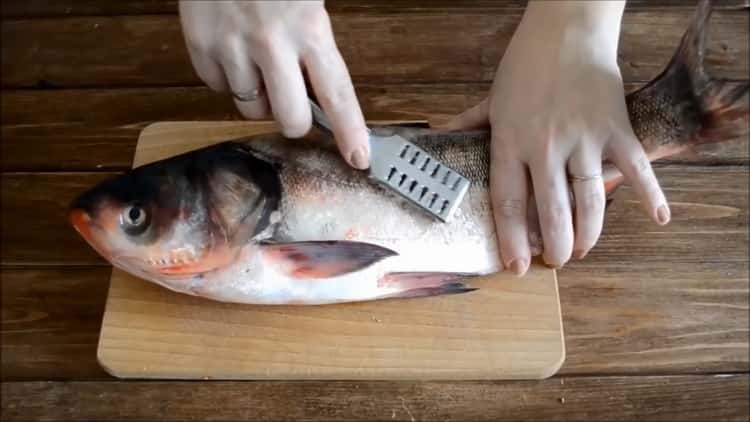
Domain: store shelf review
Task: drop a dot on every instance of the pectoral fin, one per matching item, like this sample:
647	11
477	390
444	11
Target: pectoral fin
322	259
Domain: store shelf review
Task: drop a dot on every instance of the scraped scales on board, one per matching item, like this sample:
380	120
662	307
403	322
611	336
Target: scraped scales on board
508	329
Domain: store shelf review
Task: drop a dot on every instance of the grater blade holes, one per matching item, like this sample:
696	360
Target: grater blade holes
414	158
433	200
426	162
445	205
391	173
424	193
446	176
412	186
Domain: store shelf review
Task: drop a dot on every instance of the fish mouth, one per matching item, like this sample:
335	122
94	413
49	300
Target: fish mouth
181	263
84	225
152	268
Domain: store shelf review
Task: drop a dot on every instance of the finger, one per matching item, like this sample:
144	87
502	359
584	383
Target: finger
208	70
536	246
588	190
508	187
247	82
553	200
244	80
472	118
193	16
286	90
335	92
632	161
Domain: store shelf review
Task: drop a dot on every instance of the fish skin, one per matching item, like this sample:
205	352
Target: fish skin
243	221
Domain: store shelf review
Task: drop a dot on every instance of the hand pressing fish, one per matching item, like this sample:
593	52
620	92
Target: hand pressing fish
266	220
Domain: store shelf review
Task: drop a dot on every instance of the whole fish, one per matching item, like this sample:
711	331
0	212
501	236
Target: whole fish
267	220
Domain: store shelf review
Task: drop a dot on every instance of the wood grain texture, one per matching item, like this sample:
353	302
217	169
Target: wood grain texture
49	8
656	398
97	129
50	322
655	317
34	222
508	329
467	47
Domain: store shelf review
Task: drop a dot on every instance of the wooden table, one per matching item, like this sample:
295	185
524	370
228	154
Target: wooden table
656	319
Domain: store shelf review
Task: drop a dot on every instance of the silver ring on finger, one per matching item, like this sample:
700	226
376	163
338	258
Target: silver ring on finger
585	178
247	96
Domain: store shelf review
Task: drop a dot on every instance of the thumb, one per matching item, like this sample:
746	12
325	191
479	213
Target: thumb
472	118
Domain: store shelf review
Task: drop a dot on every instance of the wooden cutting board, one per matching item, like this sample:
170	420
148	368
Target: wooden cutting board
509	329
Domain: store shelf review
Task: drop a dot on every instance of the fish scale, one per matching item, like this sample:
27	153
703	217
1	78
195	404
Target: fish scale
409	171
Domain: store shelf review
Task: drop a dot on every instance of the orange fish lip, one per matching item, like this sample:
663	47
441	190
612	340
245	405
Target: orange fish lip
82	223
207	262
181	270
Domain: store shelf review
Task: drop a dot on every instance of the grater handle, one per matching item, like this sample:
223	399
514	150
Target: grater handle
320	120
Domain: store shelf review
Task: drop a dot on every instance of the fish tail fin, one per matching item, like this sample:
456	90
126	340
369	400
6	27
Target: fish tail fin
724	104
706	110
726	109
420	284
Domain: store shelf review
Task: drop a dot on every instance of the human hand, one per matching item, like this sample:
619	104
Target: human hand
557	110
243	46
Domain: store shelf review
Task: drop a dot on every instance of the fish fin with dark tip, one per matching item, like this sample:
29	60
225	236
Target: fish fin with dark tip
708	110
694	108
421	284
724	104
322	259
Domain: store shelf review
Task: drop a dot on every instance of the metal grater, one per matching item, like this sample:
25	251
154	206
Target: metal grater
411	172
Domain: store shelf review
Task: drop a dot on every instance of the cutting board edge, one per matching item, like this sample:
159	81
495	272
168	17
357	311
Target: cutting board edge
155	126
479	375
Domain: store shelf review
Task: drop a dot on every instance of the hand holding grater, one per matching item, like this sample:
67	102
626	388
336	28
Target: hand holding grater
410	172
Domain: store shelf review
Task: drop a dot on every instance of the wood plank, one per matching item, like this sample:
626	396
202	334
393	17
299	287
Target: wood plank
35	227
710	208
50	322
683	398
655	317
49	8
96	129
150	49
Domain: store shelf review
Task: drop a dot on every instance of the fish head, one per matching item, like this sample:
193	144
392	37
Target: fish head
179	217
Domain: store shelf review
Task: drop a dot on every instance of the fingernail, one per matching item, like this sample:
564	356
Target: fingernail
662	214
359	159
518	266
580	253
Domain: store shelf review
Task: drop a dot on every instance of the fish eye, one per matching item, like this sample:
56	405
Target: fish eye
134	219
